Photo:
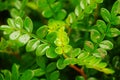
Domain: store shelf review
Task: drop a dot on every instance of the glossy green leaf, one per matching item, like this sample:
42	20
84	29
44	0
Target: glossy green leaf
95	36
99	1
102	65
14	35
7	74
78	10
41	5
100	53
83	4
51	67
10	22
60	63
15	72
19	22
79	78
59	50
32	45
108	71
62	39
42	31
28	25
88	46
47	13
51	37
57	6
115	20
115	9
54	75
50	53
14	12
114	32
38	72
27	75
51	1
75	52
71	18
61	14
67	48
70	61
23	39
41	49
4	27
105	14
106	44
101	26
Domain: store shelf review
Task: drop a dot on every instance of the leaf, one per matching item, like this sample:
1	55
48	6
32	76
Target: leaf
57	6
51	37
42	31
59	50
10	22
79	78
4	27
100	53
14	12
114	32
67	48
70	61
32	45
47	13
28	25
19	22
27	75
115	8
115	20
105	14
7	74
88	46
83	4
50	53
61	14
41	49
75	52
23	39
71	18
102	65
62	39
51	67
41	5
101	26
15	72
54	75
106	44
95	36
14	35
108	71
60	63
78	10
41	61
38	72
99	1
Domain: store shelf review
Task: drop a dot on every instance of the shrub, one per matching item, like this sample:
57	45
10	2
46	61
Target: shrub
60	40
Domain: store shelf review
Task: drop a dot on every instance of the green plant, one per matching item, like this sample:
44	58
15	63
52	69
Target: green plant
77	38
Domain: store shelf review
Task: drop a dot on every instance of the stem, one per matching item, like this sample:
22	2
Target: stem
79	70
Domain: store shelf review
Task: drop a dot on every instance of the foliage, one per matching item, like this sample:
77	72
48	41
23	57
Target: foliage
46	37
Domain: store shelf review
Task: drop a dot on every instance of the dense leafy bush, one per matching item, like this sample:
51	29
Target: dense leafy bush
60	40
